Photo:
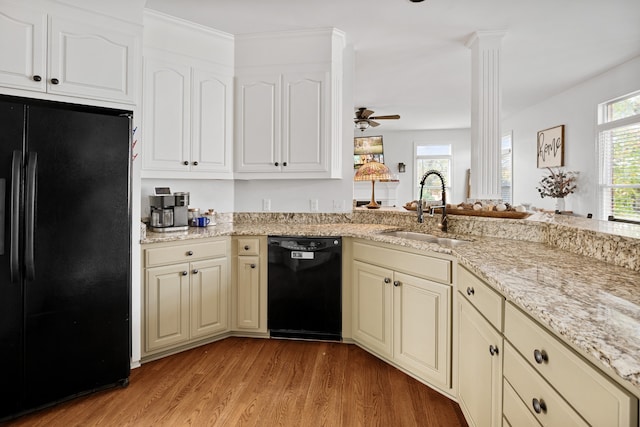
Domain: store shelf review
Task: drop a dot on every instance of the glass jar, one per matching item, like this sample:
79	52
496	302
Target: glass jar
192	214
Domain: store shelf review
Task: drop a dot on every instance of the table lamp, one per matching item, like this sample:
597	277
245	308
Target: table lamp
372	171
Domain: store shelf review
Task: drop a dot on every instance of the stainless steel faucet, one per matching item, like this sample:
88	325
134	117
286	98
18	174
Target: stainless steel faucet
443	221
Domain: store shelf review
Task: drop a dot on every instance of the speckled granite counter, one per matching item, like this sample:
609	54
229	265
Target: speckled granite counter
592	304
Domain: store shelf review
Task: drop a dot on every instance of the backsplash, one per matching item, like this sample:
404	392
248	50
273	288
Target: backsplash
614	243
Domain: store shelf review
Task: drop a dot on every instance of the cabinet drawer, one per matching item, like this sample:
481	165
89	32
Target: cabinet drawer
530	387
248	246
598	399
514	410
184	252
418	265
480	295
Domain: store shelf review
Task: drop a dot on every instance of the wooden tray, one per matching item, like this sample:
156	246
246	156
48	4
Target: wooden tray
489	214
453	210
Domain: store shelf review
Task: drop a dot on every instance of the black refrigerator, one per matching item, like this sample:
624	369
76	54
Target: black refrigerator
65	252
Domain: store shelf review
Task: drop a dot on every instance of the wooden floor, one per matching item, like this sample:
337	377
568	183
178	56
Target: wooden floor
261	382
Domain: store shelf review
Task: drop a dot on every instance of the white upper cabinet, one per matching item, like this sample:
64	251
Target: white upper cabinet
258	100
288	115
75	55
89	61
187	101
166	115
23	59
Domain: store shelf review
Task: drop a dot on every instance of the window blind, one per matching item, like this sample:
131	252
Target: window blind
620	171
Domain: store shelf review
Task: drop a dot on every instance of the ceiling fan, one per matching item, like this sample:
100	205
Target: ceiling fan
364	118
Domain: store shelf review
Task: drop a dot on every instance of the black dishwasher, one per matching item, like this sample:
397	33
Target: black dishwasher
305	287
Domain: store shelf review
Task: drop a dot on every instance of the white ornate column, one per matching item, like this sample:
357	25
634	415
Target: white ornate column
486	99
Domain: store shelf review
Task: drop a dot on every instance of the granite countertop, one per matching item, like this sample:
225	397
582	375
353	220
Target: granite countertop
593	305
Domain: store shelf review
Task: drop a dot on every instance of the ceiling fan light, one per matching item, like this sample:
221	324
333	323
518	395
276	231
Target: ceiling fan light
362	125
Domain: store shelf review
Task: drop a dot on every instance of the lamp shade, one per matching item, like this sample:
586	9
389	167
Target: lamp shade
372	171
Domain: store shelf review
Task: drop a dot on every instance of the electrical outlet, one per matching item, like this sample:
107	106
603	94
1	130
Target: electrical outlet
266	205
313	205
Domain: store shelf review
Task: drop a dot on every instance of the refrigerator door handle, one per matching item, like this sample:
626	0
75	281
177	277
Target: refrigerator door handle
3	186
16	180
30	216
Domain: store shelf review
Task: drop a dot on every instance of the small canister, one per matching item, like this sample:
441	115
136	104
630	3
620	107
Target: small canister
193	213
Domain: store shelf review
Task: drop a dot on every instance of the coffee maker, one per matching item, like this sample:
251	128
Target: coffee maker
168	211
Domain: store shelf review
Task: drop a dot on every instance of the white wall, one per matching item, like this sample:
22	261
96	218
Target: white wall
399	147
576	109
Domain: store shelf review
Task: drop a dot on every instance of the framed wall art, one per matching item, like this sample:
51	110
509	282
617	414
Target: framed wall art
367	148
551	147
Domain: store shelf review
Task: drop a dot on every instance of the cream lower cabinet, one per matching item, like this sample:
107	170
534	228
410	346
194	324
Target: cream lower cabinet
557	386
479	368
405	318
480	351
372	307
512	371
186	298
249	285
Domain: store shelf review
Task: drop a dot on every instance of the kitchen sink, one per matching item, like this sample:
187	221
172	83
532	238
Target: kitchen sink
412	235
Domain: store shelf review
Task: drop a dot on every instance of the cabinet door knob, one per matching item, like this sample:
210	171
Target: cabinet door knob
55	81
37	78
493	350
189	253
195	271
246	247
387	280
277	164
539	406
470	291
253	266
184	273
284	164
195	163
540	356
186	163
396	283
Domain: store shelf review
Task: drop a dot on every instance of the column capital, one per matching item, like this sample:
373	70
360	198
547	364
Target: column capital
490	36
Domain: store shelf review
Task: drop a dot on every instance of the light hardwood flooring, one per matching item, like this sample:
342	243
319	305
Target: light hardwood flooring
261	382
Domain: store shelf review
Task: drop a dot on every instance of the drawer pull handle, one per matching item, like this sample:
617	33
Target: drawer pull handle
277	164
539	406
195	163
247	247
37	78
195	271
470	291
493	350
186	163
184	273
55	81
396	283
253	266
387	280
540	356
189	253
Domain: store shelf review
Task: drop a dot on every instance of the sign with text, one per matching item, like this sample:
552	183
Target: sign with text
551	147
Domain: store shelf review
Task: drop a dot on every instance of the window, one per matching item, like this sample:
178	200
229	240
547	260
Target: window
506	186
437	157
619	155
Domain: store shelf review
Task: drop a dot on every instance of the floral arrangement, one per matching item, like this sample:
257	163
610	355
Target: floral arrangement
558	184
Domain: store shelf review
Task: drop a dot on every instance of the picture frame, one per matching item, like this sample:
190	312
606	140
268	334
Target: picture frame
550	147
366	149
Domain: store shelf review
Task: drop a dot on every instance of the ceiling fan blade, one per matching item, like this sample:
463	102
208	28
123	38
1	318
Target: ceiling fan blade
363	113
373	124
392	117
